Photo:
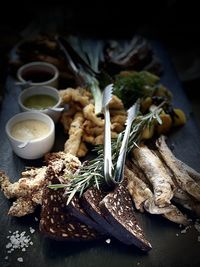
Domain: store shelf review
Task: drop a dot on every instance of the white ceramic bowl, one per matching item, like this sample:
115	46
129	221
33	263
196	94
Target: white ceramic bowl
38	73
32	149
54	112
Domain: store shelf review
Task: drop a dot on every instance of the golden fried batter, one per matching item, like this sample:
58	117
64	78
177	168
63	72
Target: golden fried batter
82	150
91	129
79	95
75	134
28	189
89	114
116	103
25	190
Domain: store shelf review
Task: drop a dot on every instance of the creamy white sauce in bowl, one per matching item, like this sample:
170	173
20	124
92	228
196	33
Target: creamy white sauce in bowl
29	130
31	134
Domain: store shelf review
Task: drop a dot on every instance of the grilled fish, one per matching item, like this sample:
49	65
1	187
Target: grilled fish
156	173
181	176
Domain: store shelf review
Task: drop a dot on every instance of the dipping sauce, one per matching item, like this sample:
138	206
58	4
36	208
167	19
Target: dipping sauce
37	76
40	101
29	130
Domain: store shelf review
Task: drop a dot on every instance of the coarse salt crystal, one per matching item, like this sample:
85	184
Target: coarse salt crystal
36	219
6	258
108	241
177	234
32	230
184	231
9	245
19	240
20	259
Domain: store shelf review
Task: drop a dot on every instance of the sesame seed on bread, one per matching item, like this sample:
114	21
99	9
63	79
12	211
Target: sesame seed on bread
59	224
118	210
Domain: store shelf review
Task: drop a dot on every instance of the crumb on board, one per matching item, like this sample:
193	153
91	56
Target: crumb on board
20	259
108	241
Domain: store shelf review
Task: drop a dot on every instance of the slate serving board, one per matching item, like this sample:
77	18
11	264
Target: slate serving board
170	247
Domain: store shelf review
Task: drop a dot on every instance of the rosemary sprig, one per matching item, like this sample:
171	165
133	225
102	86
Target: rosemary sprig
91	172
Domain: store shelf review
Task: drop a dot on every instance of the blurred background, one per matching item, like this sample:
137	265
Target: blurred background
175	23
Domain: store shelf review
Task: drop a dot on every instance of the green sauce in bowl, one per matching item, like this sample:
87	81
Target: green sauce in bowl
40	102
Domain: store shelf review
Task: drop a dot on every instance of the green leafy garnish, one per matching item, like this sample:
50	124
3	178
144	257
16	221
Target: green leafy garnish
134	85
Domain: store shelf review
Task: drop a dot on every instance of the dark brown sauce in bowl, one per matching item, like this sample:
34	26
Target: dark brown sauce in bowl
37	76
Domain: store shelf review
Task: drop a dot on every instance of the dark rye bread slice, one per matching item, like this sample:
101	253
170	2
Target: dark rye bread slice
76	209
59	224
118	210
91	202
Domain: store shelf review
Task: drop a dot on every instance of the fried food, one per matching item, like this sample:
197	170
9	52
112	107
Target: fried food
154	170
176	216
82	150
78	95
191	172
89	115
75	135
116	103
181	176
62	162
91	129
28	190
138	190
143	197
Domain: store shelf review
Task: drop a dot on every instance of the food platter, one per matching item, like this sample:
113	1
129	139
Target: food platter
170	246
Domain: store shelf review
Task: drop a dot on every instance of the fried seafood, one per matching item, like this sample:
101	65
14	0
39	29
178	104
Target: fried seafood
91	127
185	200
63	164
89	115
143	197
191	172
82	150
75	135
26	191
79	96
181	176
157	181
154	170
176	216
138	189
116	103
29	188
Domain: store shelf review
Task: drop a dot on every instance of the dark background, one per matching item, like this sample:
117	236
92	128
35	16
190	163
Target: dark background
175	23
